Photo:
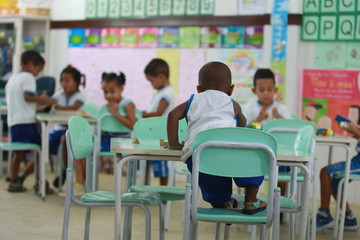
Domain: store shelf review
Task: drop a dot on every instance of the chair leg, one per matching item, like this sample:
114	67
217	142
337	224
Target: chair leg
67	205
1	163
127	223
253	232
263	232
161	222
217	232
292	227
187	208
337	209
167	215
226	232
87	223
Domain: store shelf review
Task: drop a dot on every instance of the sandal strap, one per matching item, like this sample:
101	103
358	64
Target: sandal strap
254	204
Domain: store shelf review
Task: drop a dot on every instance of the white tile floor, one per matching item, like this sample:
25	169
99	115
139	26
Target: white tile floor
26	216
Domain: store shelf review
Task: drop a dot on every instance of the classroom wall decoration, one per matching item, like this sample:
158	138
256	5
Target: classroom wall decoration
328	93
331	20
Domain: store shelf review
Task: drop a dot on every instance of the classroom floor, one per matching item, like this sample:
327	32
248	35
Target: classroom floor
26	216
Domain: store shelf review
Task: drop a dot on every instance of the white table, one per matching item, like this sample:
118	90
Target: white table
48	121
151	150
345	143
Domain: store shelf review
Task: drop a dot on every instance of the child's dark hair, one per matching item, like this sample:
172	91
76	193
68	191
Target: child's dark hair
79	78
264	73
110	77
157	66
32	56
358	108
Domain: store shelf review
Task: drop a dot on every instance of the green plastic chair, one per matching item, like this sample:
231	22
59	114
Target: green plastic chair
155	128
232	152
80	145
91	108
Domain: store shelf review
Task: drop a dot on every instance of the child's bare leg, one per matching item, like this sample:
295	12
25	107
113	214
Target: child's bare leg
18	157
64	151
79	172
250	197
163	181
282	186
347	204
325	188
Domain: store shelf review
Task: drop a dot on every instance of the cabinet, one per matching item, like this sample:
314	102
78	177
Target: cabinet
35	31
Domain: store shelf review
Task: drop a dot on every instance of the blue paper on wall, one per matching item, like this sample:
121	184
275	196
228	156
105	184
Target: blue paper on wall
76	37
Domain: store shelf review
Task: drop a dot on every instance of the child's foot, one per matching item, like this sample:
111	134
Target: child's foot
251	208
350	222
56	182
48	190
324	219
16	186
79	190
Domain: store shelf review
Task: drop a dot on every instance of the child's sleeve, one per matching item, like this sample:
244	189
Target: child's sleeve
28	85
285	113
80	97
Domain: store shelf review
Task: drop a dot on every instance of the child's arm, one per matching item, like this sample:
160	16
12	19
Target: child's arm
160	110
353	129
128	120
174	116
241	120
41	100
76	106
262	116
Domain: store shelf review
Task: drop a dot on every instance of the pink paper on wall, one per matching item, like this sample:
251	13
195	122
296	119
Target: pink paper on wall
148	37
110	37
129	37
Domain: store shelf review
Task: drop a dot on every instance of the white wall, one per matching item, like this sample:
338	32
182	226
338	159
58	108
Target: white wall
299	56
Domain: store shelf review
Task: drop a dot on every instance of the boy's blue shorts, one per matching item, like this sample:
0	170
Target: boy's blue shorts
218	190
54	140
160	168
106	138
25	133
339	168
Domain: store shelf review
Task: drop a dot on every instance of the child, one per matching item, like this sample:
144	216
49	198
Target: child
21	101
329	185
214	108
113	86
265	108
70	98
157	72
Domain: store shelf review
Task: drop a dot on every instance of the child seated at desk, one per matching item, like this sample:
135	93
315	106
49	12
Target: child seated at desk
69	98
21	101
211	108
113	86
329	185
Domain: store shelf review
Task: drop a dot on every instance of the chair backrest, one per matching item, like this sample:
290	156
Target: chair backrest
285	130
45	84
305	140
235	152
155	128
91	108
79	133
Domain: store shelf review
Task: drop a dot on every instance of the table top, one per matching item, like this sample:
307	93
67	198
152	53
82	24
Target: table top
335	139
48	117
152	147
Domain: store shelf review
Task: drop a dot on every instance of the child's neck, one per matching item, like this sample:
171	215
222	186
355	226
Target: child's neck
165	85
70	94
265	105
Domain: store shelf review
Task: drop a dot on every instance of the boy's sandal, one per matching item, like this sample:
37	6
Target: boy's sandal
256	209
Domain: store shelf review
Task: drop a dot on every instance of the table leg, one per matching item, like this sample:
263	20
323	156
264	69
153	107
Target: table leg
43	158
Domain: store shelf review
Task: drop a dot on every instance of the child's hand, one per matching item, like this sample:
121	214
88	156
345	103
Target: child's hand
44	99
262	116
113	107
177	146
276	114
350	128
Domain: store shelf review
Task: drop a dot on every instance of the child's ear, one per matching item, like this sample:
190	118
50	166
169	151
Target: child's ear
253	90
199	89
276	89
230	90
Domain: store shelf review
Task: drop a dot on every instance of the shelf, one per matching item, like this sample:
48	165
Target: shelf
25	17
243	20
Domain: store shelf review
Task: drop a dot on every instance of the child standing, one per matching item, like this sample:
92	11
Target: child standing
265	108
69	98
157	72
212	108
113	86
21	100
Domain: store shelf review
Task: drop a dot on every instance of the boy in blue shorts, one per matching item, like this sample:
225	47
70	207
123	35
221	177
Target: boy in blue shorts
211	108
21	100
329	184
157	72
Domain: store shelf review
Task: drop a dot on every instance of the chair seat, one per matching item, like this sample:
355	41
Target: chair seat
106	154
166	193
18	146
109	197
285	202
352	176
286	177
229	215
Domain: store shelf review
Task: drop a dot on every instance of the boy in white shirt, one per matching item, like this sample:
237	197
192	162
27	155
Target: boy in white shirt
21	100
265	108
212	108
157	72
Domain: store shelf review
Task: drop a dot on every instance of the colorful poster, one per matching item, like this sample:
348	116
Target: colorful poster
189	37
327	93
129	37
168	37
251	7
330	55
232	37
148	37
353	55
254	37
76	37
92	37
110	37
210	37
